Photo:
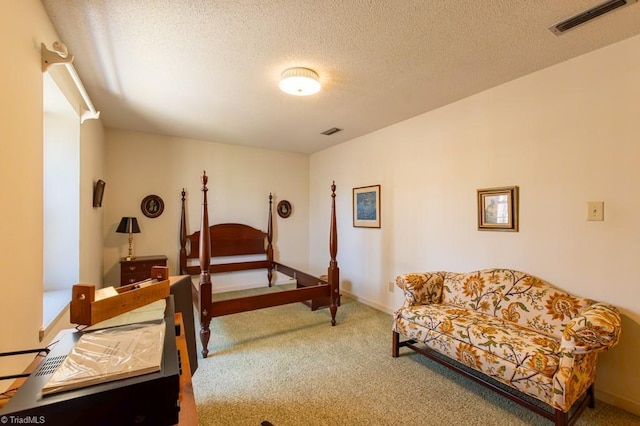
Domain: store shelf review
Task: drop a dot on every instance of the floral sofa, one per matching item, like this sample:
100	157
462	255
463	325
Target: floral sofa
512	327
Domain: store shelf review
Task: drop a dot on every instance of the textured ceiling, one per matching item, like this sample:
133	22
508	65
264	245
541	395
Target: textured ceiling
209	70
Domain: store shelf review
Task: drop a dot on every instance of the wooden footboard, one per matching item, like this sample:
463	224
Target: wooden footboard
251	303
304	280
238	239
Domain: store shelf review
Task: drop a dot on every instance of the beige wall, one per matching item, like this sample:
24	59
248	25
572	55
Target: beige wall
23	26
240	180
21	174
565	135
92	168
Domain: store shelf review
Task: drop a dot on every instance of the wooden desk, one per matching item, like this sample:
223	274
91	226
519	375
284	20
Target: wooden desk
180	288
13	388
188	412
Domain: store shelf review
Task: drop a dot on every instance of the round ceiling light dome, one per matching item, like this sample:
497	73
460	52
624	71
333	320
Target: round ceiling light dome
299	81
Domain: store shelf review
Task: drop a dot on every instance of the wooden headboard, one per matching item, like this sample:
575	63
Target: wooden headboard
227	239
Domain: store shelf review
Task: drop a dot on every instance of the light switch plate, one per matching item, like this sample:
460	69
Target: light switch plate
595	210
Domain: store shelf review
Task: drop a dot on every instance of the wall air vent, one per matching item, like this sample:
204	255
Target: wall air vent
331	131
588	15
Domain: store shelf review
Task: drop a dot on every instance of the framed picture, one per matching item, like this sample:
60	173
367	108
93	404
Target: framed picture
284	209
152	206
366	207
498	209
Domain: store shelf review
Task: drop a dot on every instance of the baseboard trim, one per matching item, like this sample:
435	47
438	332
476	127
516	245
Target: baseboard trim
368	302
618	401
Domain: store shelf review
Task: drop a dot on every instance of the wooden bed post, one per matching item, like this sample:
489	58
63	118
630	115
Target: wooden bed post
183	237
333	272
205	275
269	240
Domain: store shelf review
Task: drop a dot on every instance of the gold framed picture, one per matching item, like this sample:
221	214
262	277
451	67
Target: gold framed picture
498	209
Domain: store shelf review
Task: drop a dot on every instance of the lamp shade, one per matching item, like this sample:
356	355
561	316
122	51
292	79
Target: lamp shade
128	225
299	82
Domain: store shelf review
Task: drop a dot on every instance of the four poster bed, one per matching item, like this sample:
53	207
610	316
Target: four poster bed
234	239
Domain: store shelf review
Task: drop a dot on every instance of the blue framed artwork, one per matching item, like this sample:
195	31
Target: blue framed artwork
366	207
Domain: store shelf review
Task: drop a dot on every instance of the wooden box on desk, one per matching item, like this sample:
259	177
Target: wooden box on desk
86	310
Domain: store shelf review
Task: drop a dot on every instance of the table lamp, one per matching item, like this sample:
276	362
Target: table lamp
129	225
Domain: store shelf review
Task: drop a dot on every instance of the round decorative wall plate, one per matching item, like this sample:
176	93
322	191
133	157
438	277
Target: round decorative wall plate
284	209
152	206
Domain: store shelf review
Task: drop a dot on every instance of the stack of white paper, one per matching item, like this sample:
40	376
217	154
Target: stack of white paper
110	354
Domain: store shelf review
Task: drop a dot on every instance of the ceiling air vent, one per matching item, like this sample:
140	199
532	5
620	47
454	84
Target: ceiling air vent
331	131
588	15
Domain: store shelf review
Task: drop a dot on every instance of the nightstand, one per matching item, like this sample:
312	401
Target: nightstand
139	268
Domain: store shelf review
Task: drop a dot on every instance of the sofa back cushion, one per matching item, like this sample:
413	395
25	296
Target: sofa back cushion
514	296
421	288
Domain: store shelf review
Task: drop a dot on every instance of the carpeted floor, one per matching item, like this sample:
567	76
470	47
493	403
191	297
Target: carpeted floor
287	366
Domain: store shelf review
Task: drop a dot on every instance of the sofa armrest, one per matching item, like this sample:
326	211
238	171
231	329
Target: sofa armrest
594	329
421	288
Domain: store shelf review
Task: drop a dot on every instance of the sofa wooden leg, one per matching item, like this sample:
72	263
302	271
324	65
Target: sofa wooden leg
395	345
562	418
592	396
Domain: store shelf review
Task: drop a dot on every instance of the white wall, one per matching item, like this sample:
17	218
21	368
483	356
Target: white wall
565	135
23	26
240	180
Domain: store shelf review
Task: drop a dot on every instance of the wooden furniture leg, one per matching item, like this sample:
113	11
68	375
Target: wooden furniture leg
205	292
561	418
333	272
205	334
395	345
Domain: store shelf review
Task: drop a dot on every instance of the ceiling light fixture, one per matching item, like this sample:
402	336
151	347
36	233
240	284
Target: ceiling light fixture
299	81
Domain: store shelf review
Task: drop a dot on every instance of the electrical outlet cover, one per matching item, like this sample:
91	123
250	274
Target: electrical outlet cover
595	210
